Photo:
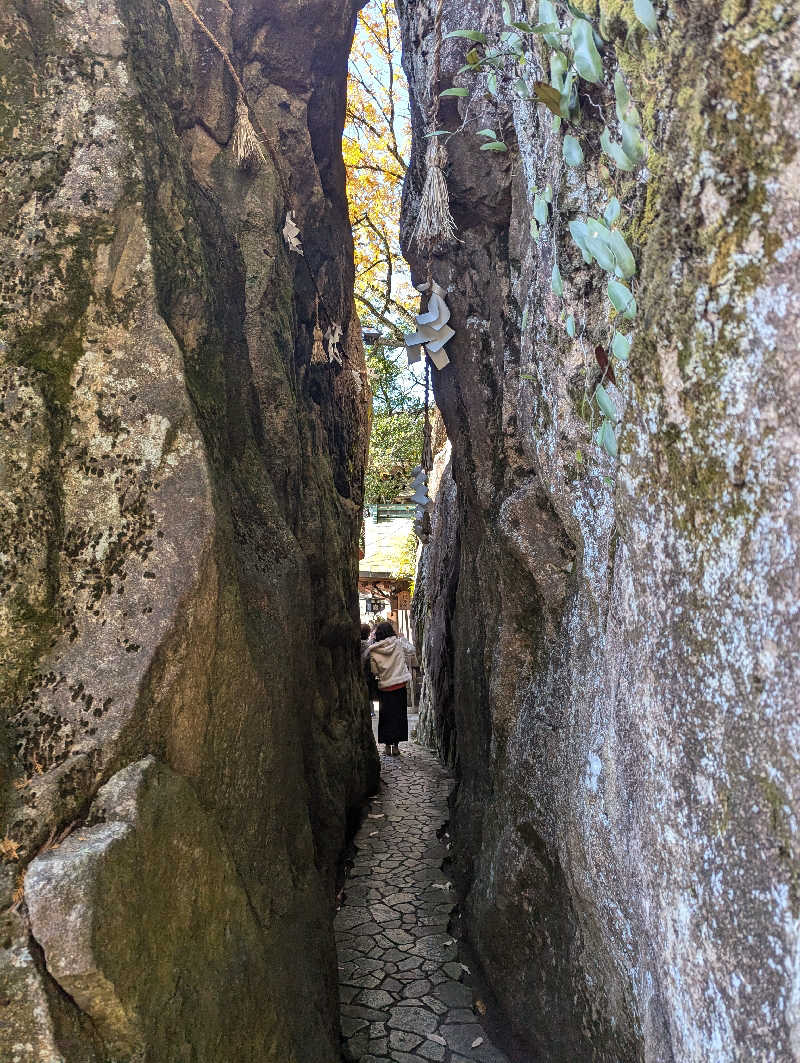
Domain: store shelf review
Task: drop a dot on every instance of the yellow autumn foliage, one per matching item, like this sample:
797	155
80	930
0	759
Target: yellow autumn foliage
375	147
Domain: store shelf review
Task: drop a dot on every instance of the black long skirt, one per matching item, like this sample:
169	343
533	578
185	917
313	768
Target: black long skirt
392	716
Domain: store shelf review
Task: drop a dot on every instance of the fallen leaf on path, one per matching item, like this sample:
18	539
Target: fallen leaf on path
479	1006
465	968
477	1042
437	1039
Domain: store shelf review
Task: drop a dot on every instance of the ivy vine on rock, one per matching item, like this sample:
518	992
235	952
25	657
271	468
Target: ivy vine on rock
577	57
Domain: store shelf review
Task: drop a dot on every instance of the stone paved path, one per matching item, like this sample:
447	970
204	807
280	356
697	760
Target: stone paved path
401	983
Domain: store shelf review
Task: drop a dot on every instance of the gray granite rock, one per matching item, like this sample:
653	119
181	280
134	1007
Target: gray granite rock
116	952
179	510
610	647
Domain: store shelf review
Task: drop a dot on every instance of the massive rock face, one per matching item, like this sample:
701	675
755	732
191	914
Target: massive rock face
183	726
611	647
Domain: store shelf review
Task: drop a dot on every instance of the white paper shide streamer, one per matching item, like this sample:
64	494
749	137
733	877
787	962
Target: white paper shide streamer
433	332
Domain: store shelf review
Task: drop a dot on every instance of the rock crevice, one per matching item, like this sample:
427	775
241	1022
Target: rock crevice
179	495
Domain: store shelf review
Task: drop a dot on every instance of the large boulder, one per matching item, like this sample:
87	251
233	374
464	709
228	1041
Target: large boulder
613	672
144	923
180	484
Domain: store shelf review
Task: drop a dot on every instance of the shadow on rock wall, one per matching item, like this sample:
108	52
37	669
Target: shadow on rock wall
179	499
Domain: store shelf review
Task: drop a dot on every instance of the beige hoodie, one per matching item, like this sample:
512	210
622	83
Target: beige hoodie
391	661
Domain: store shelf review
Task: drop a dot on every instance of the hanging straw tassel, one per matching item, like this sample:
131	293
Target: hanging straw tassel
246	146
434	225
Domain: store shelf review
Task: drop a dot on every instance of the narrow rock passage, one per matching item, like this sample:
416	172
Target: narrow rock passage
401	983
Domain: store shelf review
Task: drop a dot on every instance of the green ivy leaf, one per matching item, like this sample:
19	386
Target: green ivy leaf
543	29
622	299
491	83
598	242
556	120
606	438
572	151
540	211
548	194
621	95
556	283
455	92
487	133
586	56
579	231
632	143
569	95
603	400
646	14
615	152
612	211
521	88
534	229
558	68
513	42
622	253
620	346
507	15
494	145
624	106
440	133
470	35
570	326
549	16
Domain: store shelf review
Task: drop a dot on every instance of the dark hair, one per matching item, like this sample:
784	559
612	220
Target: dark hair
384	630
365	631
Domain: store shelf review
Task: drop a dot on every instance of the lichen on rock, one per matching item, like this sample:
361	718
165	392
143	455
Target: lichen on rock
179	502
609	647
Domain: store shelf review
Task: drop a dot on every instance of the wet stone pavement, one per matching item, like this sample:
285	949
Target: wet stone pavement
401	983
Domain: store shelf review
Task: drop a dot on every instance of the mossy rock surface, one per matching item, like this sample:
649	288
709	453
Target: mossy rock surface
610	665
179	496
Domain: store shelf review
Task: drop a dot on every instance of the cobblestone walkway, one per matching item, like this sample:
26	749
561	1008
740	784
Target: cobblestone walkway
401	983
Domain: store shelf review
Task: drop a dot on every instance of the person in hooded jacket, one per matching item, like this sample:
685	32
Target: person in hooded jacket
372	683
391	659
